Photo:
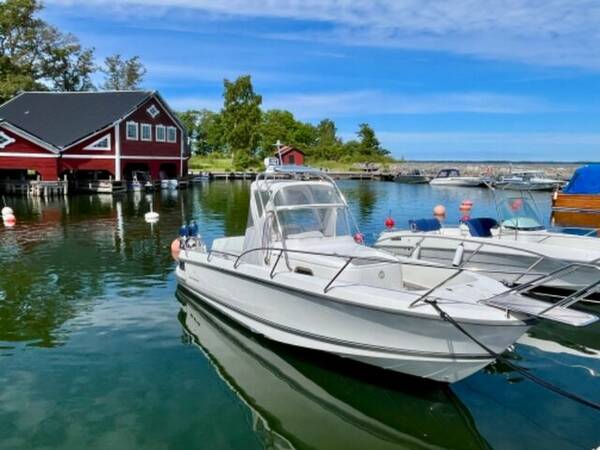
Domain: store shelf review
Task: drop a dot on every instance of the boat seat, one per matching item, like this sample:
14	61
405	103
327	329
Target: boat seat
481	226
424	225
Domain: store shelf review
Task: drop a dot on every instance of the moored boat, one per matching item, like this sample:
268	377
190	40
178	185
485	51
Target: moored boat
515	248
582	193
413	177
301	277
528	180
452	177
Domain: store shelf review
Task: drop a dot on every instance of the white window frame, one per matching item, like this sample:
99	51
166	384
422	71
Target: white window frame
142	126
7	140
137	131
171	129
94	145
153	111
164	130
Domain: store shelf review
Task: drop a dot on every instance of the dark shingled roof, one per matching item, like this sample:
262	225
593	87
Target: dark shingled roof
62	118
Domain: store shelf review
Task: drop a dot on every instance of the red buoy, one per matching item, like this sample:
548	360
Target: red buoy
389	223
9	220
175	248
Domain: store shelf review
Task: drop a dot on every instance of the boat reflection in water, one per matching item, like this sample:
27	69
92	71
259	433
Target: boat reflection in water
301	399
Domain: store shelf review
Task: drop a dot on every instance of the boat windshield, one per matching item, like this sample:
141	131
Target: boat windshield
311	210
518	213
447	173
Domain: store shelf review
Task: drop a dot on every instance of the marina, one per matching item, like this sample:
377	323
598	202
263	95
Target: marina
115	299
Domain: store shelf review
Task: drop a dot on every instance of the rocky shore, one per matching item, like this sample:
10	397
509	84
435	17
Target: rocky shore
561	171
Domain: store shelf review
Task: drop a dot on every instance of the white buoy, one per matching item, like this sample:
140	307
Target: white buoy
7	210
151	216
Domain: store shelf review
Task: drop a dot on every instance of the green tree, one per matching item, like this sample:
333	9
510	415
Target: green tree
122	74
241	120
211	133
69	67
370	147
281	125
35	55
328	145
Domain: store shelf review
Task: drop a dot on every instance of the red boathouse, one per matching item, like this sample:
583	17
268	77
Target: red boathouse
90	135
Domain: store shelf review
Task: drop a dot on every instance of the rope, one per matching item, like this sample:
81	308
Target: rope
540	381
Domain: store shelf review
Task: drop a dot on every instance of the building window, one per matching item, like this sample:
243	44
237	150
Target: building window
153	111
161	133
146	132
100	144
132	131
5	139
171	134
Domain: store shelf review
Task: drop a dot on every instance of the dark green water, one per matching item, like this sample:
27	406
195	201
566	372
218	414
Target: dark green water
97	351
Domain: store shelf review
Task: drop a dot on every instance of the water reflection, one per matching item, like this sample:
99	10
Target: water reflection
302	399
65	255
72	263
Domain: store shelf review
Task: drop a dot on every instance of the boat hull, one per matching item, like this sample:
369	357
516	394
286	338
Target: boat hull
412	179
577	202
419	345
458	181
516	186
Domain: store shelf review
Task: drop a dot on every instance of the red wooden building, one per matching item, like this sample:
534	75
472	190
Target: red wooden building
290	155
90	134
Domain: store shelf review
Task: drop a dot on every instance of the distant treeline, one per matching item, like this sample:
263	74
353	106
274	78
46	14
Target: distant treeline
243	131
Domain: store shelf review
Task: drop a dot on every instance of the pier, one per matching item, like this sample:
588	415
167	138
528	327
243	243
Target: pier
35	188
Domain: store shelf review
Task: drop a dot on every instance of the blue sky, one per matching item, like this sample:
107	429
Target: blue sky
458	79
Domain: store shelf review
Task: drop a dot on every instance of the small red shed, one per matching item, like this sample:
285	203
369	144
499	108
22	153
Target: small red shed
290	155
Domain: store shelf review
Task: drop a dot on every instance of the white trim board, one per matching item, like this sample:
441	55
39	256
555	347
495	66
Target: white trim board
92	145
170	158
87	156
28	155
29	137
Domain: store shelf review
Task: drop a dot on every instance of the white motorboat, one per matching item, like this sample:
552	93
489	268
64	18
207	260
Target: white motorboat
517	249
298	276
528	180
452	177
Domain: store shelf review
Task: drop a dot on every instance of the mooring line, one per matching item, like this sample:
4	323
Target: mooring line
540	381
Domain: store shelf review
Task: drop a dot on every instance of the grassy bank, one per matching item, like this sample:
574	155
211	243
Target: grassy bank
212	163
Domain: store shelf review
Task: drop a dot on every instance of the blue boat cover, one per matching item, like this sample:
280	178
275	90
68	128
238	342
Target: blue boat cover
482	226
585	180
424	225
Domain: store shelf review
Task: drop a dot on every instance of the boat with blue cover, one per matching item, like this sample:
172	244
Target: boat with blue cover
515	248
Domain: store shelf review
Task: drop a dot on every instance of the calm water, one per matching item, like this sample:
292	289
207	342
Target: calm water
97	351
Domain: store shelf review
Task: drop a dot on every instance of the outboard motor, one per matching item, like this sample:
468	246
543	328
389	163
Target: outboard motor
192	229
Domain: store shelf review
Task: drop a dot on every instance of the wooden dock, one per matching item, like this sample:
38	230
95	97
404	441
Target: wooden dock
100	186
35	188
352	175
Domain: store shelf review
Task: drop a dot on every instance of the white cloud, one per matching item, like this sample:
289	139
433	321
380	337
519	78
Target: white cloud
369	103
361	103
545	32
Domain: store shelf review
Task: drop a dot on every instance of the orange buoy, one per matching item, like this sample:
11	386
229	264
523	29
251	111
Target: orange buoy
439	211
175	248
